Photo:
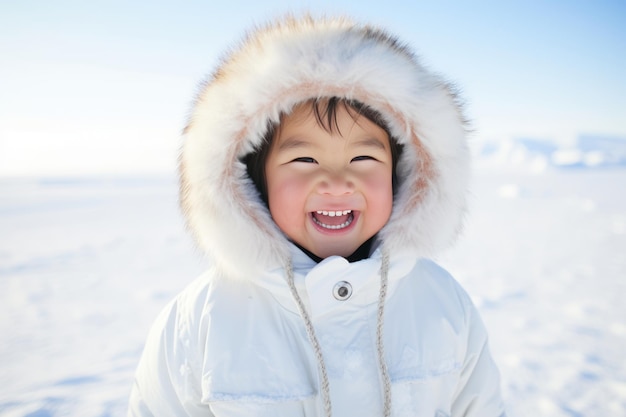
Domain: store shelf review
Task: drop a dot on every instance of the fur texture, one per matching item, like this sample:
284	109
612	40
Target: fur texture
293	60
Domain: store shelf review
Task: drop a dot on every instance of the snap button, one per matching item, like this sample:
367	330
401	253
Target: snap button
342	290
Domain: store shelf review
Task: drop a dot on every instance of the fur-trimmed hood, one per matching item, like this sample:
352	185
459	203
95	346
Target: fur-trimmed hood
294	60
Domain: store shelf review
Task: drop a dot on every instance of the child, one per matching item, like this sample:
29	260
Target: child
321	165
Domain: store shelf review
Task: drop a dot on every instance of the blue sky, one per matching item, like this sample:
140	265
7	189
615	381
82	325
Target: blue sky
93	87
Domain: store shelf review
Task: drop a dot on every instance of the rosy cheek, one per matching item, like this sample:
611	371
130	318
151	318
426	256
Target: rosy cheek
379	189
288	186
379	180
284	196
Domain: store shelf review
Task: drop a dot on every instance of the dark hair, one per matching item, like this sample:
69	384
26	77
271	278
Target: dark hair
325	111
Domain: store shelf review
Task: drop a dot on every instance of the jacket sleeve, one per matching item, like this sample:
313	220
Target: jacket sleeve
166	382
478	392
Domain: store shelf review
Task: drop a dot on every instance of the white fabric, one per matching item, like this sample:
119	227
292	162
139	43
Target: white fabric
229	348
234	343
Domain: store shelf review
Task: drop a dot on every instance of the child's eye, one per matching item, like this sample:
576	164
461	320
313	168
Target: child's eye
305	159
363	158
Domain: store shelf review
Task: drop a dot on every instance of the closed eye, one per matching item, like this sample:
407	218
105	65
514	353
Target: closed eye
305	159
363	158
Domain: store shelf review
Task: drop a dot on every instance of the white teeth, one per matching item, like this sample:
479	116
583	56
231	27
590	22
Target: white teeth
334	213
335	226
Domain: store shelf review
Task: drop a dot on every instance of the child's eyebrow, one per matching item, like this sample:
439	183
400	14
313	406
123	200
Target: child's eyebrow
293	143
370	142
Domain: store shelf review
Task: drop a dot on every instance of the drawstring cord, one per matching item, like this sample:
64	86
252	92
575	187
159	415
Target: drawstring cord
310	331
380	345
382	364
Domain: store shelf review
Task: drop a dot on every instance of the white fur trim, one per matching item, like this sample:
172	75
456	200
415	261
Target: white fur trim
295	60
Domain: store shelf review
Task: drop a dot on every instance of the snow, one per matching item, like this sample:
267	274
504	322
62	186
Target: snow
537	155
543	258
86	264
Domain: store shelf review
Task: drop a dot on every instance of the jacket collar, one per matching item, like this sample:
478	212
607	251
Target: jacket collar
315	282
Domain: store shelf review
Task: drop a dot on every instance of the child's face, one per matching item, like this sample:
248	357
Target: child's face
329	192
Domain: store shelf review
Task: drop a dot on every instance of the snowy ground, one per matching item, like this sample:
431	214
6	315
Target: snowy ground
86	265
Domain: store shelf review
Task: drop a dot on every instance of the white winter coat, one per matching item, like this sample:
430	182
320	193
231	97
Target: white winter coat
265	332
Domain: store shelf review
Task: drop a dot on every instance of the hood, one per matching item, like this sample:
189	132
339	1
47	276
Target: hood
293	60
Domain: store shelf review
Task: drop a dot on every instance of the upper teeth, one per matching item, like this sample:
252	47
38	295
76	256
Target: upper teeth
334	213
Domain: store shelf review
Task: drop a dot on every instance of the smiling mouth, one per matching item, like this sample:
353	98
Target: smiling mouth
333	219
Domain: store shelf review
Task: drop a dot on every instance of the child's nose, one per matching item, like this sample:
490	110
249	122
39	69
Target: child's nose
335	184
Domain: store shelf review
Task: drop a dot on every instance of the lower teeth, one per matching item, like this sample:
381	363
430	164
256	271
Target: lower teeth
335	226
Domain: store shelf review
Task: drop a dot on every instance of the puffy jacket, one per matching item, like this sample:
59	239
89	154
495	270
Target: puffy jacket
269	332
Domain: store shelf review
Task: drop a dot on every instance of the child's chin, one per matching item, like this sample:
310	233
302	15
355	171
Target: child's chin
343	250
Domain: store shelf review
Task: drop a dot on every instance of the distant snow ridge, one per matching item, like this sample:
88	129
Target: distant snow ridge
536	155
